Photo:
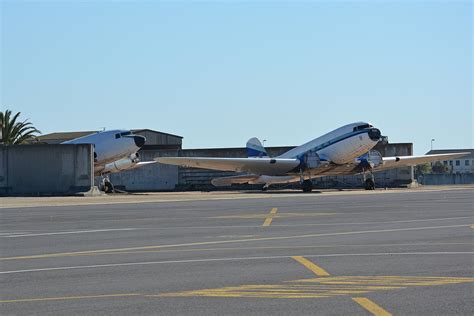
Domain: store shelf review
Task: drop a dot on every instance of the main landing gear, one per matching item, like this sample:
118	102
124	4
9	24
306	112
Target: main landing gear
307	186
106	185
369	181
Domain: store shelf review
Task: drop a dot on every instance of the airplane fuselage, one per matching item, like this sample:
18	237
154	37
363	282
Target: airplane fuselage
341	145
110	146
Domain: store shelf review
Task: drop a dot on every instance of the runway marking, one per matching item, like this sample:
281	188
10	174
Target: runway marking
311	266
279	215
62	298
112	200
79	253
270	216
308	288
13	233
366	303
371	306
235	236
113	265
322	287
270	247
284	225
70	232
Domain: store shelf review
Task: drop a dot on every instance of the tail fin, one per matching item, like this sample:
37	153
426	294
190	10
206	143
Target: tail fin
255	149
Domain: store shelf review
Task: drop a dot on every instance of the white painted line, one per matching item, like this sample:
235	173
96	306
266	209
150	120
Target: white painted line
386	222
234	259
72	232
218	242
15	233
302	225
238	195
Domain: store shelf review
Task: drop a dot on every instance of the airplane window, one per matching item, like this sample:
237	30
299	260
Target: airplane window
117	135
360	127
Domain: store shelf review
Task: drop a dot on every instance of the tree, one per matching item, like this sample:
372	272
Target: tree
14	132
438	167
423	169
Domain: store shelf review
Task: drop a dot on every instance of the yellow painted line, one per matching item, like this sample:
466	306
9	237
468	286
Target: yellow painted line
61	298
311	266
322	287
219	242
250	216
270	216
371	306
472	226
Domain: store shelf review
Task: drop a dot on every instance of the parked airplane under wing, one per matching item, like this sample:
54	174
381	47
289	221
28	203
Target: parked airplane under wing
346	150
114	151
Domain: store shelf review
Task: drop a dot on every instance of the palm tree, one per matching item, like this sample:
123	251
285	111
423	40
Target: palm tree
14	132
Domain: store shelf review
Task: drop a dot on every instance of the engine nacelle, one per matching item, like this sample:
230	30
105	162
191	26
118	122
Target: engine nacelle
122	164
372	159
310	160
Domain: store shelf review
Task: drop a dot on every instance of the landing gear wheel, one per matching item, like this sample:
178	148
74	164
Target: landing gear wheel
369	184
307	186
108	187
264	188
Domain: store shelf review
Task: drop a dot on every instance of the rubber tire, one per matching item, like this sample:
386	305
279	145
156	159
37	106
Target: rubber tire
108	187
369	184
307	186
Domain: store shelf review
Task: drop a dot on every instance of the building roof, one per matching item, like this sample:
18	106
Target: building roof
449	151
64	135
153	131
154	138
71	135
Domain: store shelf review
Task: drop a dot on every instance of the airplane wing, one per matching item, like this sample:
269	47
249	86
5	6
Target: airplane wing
385	163
269	166
404	161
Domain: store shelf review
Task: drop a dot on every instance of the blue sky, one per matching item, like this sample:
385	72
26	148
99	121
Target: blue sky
219	73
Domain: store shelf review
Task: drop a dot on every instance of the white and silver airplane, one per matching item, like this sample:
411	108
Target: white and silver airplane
114	151
346	150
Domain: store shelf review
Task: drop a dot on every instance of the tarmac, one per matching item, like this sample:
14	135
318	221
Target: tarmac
400	252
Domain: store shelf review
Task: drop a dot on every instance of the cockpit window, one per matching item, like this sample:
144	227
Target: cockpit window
358	128
117	135
126	133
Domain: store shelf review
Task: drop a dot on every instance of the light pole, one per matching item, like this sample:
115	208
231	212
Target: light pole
264	142
432	140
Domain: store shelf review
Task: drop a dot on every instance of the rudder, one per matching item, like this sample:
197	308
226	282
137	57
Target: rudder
255	149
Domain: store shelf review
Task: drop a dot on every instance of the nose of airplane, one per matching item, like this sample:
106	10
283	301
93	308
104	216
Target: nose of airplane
139	140
374	134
